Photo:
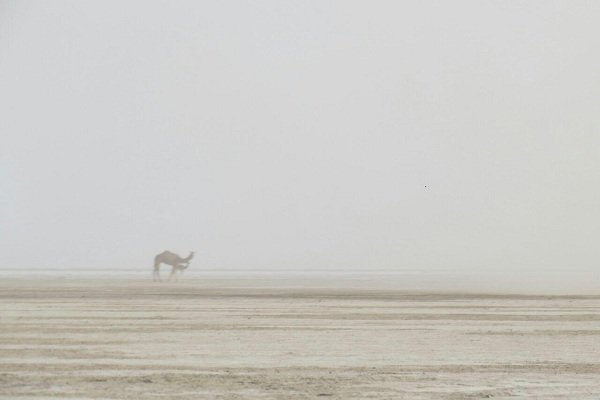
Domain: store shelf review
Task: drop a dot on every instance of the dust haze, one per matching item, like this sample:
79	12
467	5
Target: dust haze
458	139
343	199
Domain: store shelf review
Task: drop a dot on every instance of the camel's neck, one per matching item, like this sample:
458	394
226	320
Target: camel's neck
188	258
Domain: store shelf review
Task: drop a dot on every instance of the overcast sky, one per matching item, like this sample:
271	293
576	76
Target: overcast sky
318	135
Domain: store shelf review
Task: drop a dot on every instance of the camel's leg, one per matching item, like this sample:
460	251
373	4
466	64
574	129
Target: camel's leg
156	273
173	273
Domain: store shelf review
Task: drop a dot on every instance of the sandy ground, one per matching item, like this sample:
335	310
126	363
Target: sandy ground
257	339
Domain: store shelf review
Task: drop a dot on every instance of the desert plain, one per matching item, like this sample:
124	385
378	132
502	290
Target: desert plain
276	339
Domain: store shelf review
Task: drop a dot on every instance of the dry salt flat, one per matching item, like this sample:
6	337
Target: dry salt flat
276	339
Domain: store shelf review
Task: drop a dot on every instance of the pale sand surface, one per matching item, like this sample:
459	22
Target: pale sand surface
277	339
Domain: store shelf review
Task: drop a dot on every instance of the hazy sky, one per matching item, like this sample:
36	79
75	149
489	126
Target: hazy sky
301	134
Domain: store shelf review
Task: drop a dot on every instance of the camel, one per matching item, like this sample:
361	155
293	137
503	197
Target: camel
178	263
